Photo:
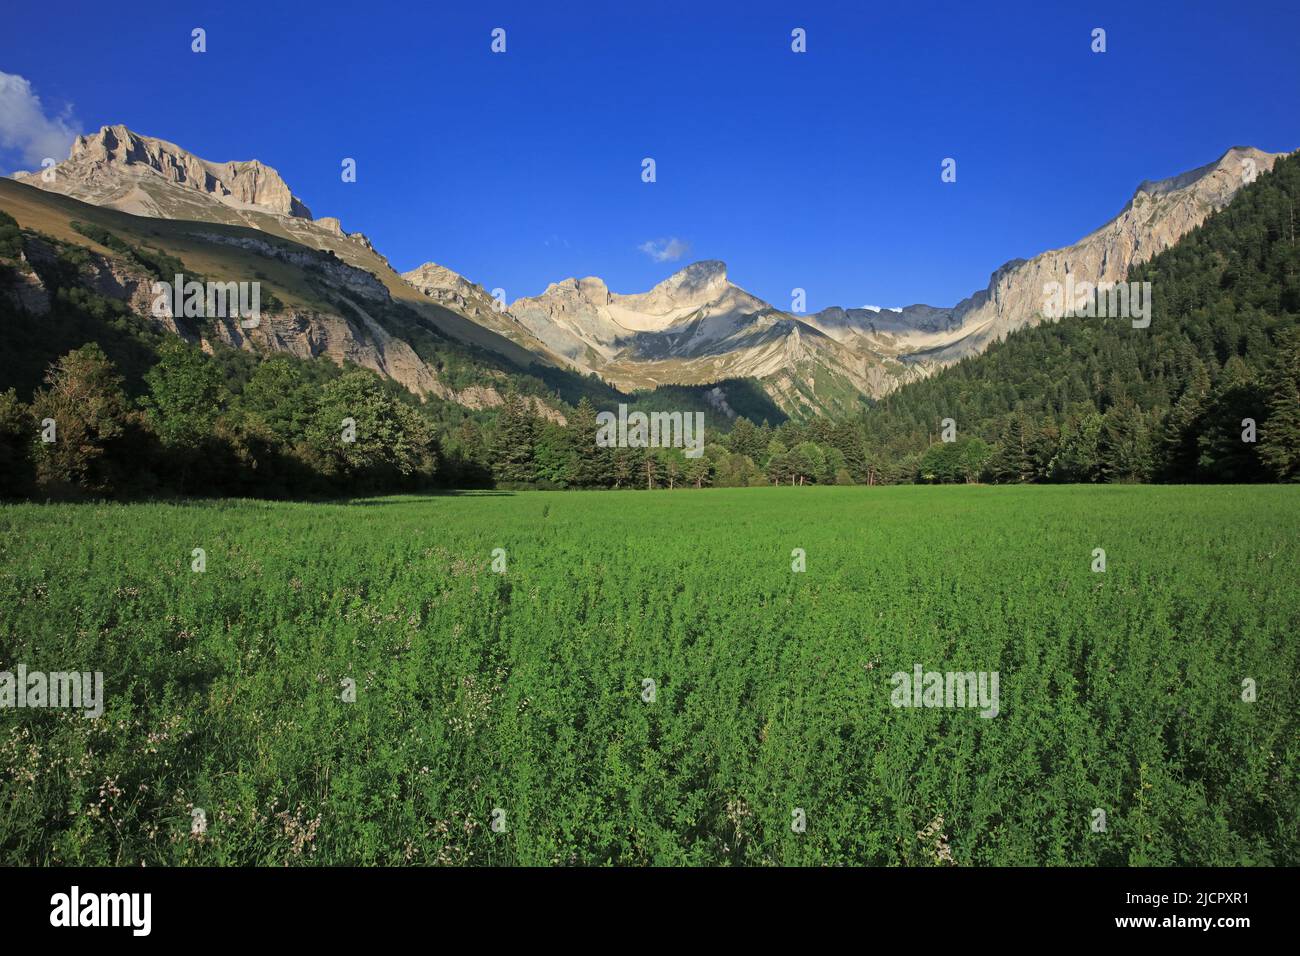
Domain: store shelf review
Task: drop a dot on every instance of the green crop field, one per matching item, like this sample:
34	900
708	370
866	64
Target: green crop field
650	680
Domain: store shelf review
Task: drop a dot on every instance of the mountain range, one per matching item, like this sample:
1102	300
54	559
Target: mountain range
340	297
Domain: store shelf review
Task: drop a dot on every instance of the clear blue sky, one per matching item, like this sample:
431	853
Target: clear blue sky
818	170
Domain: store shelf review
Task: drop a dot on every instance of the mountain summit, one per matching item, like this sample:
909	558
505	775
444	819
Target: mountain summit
696	284
146	176
150	177
588	324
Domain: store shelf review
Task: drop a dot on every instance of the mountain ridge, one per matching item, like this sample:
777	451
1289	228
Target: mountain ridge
693	327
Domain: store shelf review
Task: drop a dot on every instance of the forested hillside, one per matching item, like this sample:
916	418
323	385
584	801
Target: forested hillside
1092	399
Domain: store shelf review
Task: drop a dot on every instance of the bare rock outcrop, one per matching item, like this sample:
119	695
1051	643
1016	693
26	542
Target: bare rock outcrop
114	166
21	285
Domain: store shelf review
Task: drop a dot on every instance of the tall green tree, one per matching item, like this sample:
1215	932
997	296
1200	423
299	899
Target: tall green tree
1077	458
84	401
745	439
623	468
1124	444
778	468
555	459
1014	460
1279	447
699	471
186	395
364	439
973	456
810	463
17	431
593	464
513	456
470	456
1226	454
1182	426
282	391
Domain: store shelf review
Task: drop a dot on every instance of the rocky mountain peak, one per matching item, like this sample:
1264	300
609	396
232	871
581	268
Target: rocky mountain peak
698	284
430	275
703	277
118	160
1238	165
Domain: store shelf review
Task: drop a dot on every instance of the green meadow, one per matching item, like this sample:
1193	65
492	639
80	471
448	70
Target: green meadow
645	679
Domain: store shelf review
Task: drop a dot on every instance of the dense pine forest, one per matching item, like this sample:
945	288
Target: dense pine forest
1209	392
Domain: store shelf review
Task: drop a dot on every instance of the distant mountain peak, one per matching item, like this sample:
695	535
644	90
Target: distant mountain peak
1237	161
111	167
695	285
703	277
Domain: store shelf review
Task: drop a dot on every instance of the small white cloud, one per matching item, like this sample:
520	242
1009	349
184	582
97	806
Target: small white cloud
25	130
895	310
665	250
872	308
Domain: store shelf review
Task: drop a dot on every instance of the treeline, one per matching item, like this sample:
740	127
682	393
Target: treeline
285	427
295	428
526	451
1245	427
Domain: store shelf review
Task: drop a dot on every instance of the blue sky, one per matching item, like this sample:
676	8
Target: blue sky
818	170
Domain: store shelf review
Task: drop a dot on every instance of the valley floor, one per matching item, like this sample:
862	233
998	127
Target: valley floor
645	678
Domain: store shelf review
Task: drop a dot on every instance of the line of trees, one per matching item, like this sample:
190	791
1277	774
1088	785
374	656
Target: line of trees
1245	428
282	434
295	428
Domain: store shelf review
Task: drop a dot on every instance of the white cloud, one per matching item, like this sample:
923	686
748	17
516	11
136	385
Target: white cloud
665	250
25	130
872	308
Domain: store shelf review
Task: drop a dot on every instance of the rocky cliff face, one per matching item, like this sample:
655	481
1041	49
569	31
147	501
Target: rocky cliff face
350	334
22	286
1160	213
118	168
